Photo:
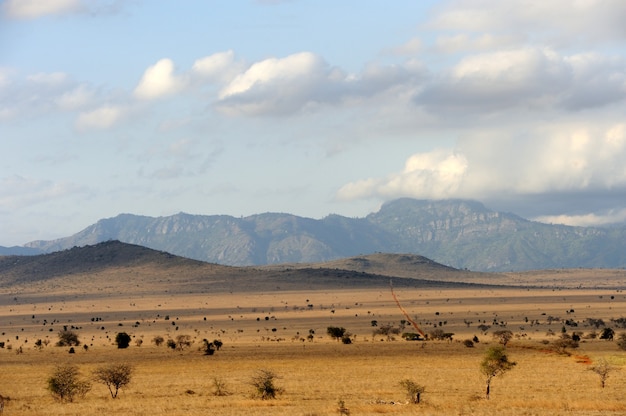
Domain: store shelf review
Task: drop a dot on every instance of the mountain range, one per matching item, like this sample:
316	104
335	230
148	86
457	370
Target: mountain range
463	234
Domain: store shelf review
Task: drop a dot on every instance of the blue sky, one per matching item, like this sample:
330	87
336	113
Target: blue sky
308	107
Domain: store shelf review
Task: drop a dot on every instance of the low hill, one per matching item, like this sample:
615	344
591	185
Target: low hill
114	267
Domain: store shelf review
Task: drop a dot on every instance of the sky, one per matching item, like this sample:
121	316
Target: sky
308	107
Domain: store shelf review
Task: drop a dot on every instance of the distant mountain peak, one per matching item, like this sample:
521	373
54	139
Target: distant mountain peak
460	233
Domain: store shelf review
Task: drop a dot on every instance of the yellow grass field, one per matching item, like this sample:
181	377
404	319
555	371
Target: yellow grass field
268	330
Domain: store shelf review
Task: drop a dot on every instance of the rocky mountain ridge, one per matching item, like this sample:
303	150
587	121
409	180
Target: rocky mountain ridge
459	233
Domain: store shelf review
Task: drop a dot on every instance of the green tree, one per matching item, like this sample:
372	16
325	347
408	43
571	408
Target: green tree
122	339
495	363
65	383
114	376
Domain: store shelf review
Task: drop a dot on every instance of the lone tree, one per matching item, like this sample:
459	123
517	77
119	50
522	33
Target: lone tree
413	390
602	369
122	339
114	376
503	336
68	338
336	332
494	364
65	383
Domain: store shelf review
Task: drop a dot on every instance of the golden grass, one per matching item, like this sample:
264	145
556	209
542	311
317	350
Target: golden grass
314	375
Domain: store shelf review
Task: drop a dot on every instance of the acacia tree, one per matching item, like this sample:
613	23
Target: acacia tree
68	338
65	383
413	390
263	383
114	376
503	336
602	369
495	363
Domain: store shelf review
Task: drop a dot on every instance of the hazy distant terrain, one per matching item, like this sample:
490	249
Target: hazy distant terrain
458	233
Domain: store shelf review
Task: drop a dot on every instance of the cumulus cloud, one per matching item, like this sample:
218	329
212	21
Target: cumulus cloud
32	9
218	67
304	81
555	21
464	42
159	80
100	118
552	159
17	192
527	78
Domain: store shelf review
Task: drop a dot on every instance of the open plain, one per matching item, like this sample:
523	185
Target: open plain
276	319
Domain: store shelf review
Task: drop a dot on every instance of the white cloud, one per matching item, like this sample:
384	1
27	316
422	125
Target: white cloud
18	192
411	47
556	158
556	21
48	79
159	80
586	220
219	67
100	118
304	81
525	78
76	98
464	42
32	9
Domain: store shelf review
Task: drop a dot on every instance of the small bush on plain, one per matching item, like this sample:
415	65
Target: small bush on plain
114	376
65	383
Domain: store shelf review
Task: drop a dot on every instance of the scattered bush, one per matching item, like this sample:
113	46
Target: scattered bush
68	338
607	334
342	409
65	383
183	341
208	347
413	390
503	336
602	368
114	376
336	332
562	344
621	341
122	339
219	387
263	383
158	340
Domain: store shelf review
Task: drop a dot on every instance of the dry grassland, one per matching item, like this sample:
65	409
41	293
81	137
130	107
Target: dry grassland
267	330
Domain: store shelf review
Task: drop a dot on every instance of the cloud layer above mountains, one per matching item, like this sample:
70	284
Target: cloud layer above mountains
277	106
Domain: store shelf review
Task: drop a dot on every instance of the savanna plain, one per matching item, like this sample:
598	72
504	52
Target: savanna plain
282	327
